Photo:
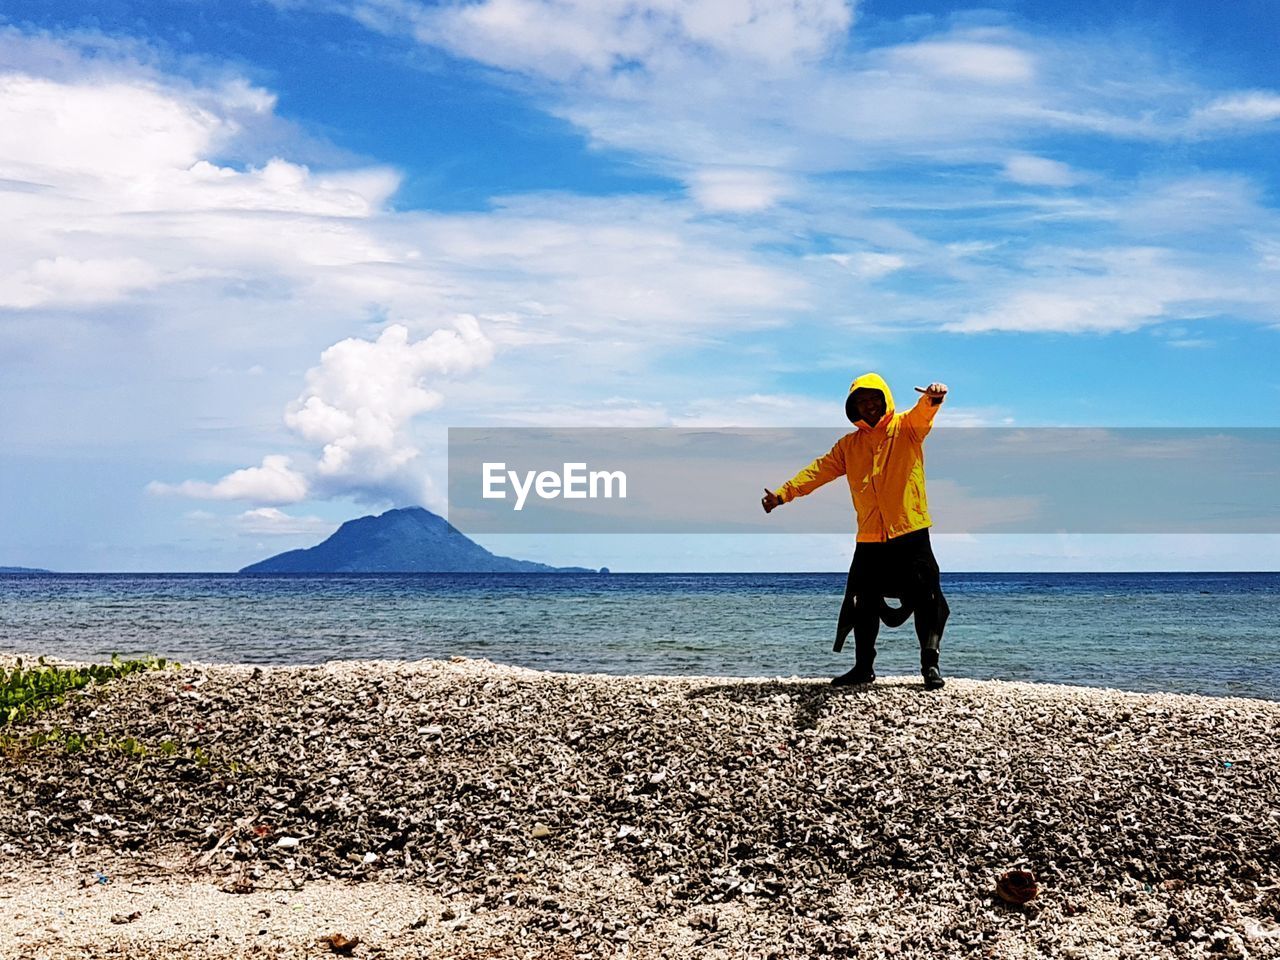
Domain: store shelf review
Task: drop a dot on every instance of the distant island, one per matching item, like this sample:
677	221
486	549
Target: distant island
407	540
23	570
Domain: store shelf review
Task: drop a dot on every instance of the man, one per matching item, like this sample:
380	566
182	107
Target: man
884	463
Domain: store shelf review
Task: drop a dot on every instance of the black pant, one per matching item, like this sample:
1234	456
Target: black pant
903	568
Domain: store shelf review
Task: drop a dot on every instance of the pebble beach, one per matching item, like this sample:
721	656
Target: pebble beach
467	809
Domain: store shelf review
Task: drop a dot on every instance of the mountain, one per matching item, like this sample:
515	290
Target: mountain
408	540
23	570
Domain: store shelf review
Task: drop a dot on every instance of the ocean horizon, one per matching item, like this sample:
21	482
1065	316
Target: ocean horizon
1209	633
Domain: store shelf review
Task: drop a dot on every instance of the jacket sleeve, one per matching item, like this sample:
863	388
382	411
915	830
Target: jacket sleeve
920	417
823	470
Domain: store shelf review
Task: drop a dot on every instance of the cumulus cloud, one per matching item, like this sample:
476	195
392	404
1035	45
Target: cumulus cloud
361	398
118	158
122	139
358	406
45	123
274	482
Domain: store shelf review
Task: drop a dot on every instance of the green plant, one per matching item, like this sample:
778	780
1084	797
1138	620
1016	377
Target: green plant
25	691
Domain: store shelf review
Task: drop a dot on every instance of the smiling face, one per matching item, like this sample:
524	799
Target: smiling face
870	405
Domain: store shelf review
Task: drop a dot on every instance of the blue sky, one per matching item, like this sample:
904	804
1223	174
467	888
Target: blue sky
260	256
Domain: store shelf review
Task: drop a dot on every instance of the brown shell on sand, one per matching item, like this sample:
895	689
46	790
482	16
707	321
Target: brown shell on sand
340	943
1017	886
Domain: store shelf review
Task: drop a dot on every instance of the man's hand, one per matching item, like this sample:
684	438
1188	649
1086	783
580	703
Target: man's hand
770	500
934	391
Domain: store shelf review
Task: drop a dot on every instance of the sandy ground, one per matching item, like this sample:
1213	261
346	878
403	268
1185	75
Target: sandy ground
467	809
151	911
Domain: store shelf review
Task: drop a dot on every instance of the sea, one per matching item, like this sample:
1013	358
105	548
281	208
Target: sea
1208	633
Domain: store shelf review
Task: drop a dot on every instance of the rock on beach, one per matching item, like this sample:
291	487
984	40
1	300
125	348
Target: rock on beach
466	809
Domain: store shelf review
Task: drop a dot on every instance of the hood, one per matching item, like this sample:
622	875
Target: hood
869	381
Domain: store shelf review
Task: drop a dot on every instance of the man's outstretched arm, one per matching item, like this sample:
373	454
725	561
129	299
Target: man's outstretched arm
823	470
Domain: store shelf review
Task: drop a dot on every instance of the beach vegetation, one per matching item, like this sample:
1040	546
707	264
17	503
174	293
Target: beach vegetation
27	690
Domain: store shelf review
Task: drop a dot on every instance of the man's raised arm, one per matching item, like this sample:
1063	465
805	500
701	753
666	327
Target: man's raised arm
920	417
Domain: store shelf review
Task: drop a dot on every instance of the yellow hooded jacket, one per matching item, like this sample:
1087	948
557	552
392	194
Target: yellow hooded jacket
884	465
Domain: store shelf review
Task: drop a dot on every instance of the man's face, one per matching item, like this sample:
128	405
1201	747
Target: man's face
870	405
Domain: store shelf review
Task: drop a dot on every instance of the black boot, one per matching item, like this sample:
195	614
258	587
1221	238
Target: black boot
855	676
863	666
929	669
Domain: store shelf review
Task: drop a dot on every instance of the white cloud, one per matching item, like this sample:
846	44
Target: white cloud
1211	204
360	400
110	189
736	190
776	85
271	521
275	482
771	85
45	124
559	39
1067	311
359	405
966	60
1251	107
68	281
1267	251
641	269
868	265
1039	171
1096	291
107	211
646	78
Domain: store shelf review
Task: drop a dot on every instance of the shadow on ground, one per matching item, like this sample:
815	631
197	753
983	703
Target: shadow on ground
809	697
